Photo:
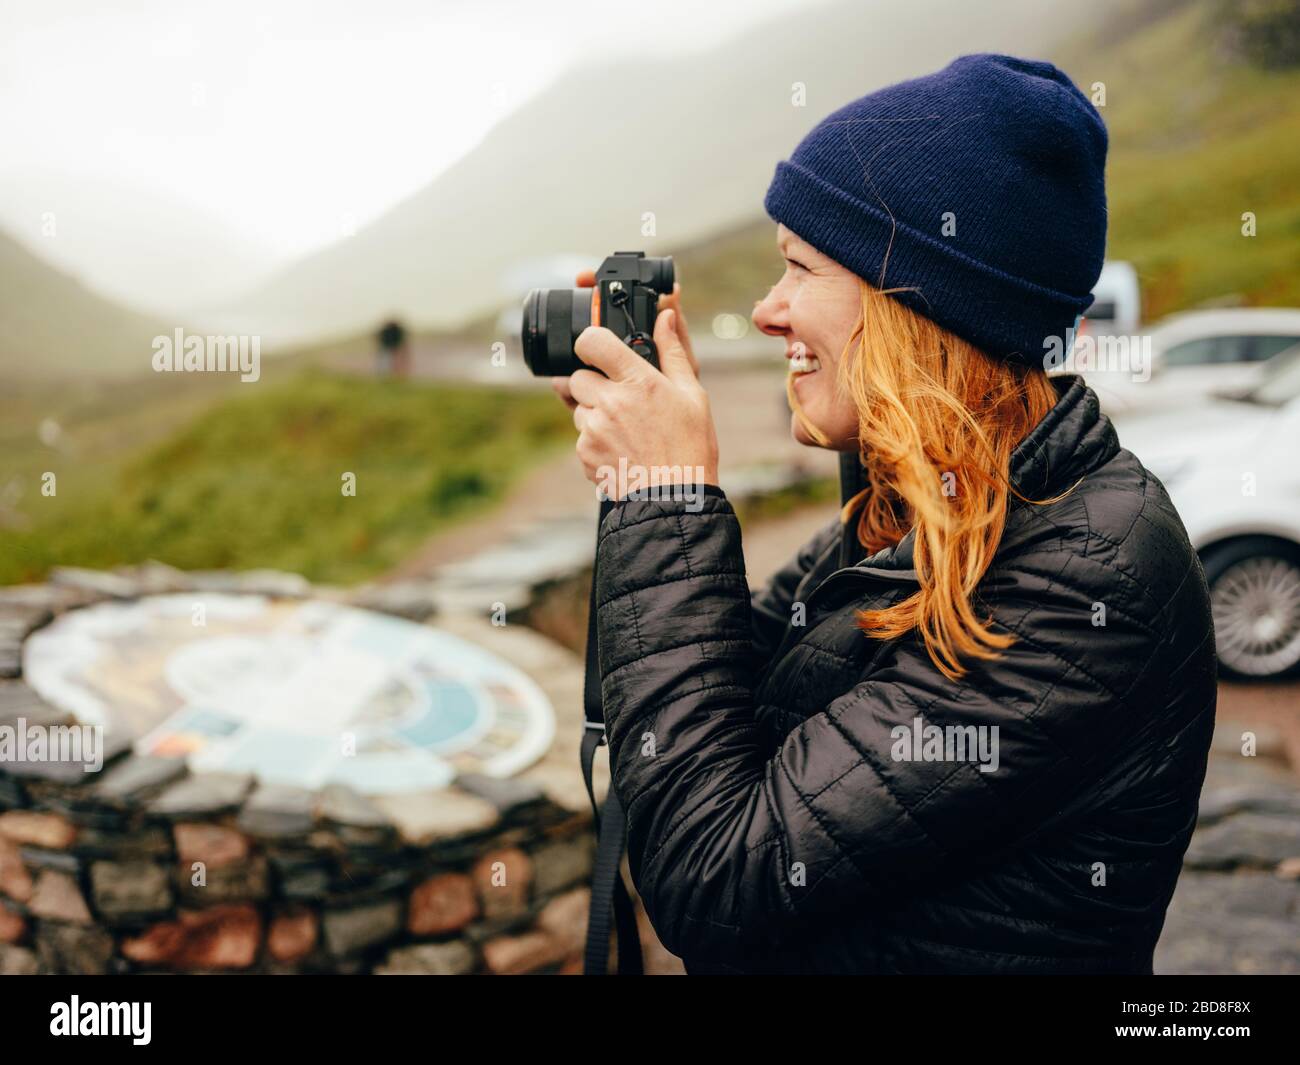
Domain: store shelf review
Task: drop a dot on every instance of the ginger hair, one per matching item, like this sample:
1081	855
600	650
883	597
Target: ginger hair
938	420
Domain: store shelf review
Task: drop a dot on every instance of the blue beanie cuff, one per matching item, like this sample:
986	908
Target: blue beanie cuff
1003	315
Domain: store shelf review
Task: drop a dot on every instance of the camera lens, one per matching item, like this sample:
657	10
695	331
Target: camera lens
553	320
533	333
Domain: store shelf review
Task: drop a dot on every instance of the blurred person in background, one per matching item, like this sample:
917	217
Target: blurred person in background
393	352
966	728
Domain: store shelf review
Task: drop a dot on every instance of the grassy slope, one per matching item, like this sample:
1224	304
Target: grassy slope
1197	138
256	480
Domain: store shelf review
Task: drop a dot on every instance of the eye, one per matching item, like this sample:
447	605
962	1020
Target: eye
795	263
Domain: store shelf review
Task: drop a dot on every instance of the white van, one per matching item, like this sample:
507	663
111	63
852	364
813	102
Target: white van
1117	302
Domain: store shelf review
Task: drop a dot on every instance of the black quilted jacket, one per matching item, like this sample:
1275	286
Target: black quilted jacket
783	816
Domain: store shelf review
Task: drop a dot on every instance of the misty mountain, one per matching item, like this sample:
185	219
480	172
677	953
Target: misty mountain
634	154
136	247
51	325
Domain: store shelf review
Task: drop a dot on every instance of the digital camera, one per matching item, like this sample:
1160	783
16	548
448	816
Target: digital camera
625	300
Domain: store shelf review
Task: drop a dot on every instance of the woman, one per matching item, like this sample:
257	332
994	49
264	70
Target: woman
965	728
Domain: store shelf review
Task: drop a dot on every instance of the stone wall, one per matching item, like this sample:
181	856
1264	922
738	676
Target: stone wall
146	867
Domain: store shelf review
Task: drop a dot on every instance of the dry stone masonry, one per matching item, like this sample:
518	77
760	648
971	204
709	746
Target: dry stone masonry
146	866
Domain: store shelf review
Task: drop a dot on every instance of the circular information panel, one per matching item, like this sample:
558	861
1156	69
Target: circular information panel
298	693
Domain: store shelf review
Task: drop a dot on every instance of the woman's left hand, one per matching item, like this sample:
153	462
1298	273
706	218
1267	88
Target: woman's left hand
656	422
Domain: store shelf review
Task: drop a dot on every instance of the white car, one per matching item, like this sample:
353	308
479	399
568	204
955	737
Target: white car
1229	464
1193	354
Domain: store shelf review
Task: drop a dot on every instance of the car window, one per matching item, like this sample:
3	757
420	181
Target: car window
1208	351
1264	348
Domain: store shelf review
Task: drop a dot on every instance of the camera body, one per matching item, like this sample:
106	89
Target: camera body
625	299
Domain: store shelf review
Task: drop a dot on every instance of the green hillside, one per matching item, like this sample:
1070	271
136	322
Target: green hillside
257	480
1200	134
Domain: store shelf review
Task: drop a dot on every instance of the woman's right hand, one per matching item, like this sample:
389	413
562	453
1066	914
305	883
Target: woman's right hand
587	279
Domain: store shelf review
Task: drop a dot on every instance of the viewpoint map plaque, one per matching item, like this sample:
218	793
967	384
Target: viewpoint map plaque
301	693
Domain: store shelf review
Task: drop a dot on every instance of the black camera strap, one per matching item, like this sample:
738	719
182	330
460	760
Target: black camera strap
611	904
853	479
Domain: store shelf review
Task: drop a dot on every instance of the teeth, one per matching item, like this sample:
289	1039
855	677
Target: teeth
803	362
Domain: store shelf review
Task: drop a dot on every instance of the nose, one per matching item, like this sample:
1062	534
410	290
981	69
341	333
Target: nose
772	313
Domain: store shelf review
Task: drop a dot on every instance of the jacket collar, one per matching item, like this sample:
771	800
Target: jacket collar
1072	440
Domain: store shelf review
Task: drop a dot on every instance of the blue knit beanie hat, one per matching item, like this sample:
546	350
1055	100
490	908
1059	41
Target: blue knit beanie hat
980	187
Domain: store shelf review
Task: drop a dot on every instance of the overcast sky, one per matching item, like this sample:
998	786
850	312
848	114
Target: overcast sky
291	122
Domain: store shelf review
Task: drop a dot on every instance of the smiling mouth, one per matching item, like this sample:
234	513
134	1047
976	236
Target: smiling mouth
804	363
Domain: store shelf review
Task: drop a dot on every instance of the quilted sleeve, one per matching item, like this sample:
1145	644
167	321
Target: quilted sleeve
732	847
772	605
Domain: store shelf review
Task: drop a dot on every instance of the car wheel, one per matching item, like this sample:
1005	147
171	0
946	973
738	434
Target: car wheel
1255	596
